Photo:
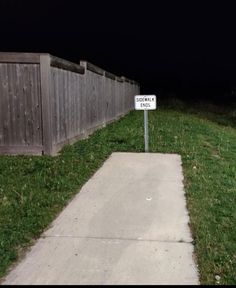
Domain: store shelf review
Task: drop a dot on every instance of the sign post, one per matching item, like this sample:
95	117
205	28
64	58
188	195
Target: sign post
146	140
145	102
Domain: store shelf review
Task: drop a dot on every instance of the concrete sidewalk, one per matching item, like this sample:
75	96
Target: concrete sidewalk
128	225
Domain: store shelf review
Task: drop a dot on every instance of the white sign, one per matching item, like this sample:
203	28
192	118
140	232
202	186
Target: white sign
145	102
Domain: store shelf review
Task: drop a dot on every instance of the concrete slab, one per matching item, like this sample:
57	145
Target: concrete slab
142	166
128	225
153	210
68	260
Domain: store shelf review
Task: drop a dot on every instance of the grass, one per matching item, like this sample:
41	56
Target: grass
33	190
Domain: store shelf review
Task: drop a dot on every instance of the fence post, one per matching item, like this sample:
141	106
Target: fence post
104	100
46	102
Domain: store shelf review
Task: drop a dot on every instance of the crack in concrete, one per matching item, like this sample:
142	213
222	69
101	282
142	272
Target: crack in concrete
121	239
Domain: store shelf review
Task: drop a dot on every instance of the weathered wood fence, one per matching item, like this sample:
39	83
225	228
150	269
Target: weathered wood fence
47	102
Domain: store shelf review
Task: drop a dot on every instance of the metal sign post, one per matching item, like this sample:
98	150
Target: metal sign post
145	102
146	140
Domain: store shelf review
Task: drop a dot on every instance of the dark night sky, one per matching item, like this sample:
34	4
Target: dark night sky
173	45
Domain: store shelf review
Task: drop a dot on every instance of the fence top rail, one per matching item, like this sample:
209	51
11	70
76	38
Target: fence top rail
125	79
119	79
129	81
19	57
91	67
34	58
110	75
66	65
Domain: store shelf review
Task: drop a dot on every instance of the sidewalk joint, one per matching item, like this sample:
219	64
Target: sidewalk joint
120	239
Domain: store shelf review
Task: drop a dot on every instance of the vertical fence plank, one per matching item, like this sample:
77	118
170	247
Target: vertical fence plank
46	103
5	103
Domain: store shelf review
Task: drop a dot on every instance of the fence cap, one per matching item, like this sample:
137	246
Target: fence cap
20	57
91	67
34	58
110	75
125	79
119	79
67	65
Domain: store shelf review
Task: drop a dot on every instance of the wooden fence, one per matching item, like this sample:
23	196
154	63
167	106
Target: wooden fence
47	102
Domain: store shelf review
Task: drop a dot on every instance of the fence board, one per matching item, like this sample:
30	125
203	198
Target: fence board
46	103
20	111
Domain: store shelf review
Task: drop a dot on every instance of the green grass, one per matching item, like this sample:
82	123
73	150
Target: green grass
33	190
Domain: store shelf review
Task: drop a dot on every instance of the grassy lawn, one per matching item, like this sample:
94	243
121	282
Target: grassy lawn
33	190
